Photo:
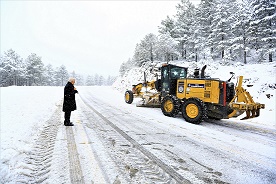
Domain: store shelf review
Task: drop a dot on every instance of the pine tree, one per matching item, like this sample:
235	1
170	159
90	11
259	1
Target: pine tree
221	26
110	80
146	50
184	27
204	19
138	55
90	81
101	80
167	26
61	76
96	79
122	69
263	26
49	75
11	68
167	47
79	80
149	46
240	26
73	74
34	69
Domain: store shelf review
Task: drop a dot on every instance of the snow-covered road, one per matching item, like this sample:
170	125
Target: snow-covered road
215	151
115	142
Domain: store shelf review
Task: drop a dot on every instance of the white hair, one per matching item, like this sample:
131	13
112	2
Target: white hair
71	79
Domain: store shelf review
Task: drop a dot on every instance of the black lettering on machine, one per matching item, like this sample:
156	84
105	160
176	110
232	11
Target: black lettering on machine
196	85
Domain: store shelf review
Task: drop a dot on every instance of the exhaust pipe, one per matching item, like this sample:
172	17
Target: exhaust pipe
202	75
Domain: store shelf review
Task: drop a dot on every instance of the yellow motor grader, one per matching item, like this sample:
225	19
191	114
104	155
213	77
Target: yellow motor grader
196	97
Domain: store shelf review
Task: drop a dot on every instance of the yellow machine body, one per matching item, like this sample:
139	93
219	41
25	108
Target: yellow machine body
206	90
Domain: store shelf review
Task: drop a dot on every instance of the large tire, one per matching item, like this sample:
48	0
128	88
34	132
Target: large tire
128	96
193	110
170	106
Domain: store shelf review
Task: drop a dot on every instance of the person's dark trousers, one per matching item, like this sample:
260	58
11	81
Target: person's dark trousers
67	117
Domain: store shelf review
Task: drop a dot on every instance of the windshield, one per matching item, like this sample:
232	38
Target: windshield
178	73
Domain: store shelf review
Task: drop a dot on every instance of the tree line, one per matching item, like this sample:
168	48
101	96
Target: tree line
226	30
14	70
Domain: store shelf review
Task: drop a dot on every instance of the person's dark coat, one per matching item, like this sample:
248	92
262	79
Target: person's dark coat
69	102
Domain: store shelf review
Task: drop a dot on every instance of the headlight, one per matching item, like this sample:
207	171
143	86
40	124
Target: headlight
180	89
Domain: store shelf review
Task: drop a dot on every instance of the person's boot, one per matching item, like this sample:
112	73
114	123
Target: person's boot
69	124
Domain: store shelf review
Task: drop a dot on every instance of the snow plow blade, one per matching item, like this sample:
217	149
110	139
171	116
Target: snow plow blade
142	103
149	100
147	92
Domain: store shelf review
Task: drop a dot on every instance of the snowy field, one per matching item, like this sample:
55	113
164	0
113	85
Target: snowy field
28	112
24	111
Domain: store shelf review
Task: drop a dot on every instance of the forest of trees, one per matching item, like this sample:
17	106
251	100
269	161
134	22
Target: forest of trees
218	30
226	30
14	70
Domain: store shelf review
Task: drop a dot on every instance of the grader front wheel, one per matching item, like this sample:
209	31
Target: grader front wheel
170	106
129	97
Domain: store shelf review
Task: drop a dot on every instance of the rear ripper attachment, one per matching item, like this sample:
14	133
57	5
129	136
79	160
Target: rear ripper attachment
243	101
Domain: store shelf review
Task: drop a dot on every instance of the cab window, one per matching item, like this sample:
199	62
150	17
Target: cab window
178	73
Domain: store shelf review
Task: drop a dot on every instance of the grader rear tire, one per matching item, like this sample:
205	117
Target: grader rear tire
193	110
128	96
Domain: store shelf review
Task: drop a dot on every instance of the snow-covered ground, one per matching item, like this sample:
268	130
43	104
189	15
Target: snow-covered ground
33	140
24	111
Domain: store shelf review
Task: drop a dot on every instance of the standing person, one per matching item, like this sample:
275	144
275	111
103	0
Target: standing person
69	102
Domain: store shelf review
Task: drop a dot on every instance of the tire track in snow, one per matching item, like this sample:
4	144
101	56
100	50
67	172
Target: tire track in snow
107	161
37	165
167	169
243	127
75	167
104	166
198	142
90	160
189	168
233	159
134	166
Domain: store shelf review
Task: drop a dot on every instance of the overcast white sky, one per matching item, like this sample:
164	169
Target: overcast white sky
86	36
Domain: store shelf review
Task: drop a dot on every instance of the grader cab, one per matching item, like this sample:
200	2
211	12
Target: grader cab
195	97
